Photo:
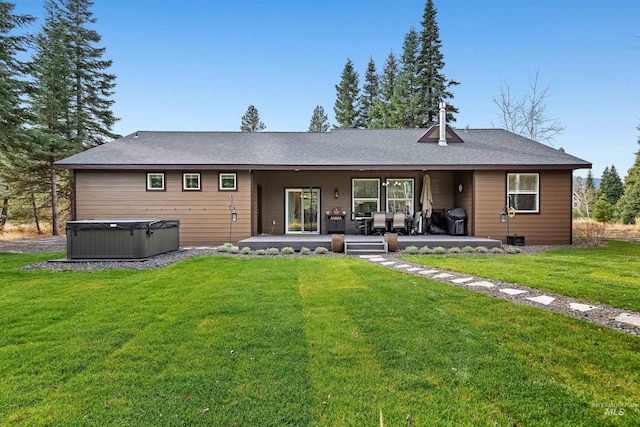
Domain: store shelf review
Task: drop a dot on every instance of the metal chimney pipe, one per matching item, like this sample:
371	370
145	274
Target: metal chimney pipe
443	125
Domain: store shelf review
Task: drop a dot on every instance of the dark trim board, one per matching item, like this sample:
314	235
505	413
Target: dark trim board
313	241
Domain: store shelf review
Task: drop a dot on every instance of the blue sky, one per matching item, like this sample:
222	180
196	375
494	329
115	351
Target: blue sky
198	64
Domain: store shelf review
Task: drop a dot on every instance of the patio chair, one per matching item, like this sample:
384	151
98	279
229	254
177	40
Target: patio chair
399	224
379	223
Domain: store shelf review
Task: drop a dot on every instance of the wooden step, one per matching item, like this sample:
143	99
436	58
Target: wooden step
366	247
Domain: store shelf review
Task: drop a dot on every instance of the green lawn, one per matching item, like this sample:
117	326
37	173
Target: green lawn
606	275
227	341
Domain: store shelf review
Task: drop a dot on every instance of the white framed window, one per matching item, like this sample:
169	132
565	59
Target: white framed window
155	181
365	196
191	181
523	192
399	195
228	181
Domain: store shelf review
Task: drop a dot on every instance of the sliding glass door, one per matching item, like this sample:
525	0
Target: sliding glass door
302	210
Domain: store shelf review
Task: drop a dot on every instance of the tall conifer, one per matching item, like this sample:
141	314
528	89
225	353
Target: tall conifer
347	103
370	93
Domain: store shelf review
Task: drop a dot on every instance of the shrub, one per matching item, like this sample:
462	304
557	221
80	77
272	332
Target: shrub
260	252
222	248
512	250
305	251
245	251
468	250
454	250
425	250
234	250
321	250
481	249
272	251
591	231
411	249
439	250
287	250
602	210
496	250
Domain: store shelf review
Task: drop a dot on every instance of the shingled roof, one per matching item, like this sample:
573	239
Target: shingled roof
365	149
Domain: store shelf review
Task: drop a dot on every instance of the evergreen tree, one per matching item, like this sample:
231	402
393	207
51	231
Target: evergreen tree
602	210
70	101
633	174
432	84
628	207
319	120
589	181
370	93
611	185
251	121
381	111
347	98
13	87
406	96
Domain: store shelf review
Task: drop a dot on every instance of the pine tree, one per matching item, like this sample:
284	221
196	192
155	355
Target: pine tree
406	97
628	207
347	98
611	185
370	93
319	120
13	86
589	181
433	85
71	98
633	174
251	121
381	111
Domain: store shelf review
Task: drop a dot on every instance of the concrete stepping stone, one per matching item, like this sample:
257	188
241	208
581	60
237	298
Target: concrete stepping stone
428	271
442	276
388	263
630	319
378	259
369	256
463	279
414	269
581	307
542	299
511	291
403	266
482	284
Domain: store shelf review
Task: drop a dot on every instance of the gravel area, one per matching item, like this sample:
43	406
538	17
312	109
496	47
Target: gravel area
600	314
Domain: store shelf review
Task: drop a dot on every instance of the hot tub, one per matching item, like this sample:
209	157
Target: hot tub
121	238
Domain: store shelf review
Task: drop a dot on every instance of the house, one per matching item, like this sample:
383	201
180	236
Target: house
227	186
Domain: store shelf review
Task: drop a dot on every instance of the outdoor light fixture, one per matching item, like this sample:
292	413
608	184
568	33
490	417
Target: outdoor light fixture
234	216
336	194
503	215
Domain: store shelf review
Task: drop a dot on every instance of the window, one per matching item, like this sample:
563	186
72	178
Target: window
227	181
191	181
155	181
365	196
523	192
399	195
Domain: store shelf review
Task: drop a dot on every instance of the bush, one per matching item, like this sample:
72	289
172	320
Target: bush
481	249
425	250
260	252
591	231
245	251
321	250
272	251
411	249
222	248
439	250
305	251
234	250
468	250
287	251
512	250
454	250
496	250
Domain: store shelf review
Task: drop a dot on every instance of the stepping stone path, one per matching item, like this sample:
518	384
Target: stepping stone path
604	315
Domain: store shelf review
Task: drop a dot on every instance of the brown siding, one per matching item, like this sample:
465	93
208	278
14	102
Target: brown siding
204	215
551	226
